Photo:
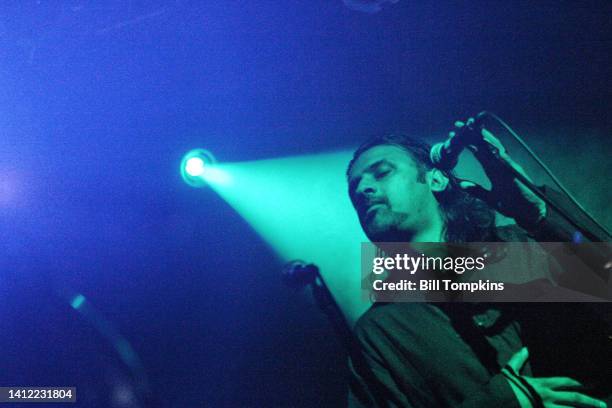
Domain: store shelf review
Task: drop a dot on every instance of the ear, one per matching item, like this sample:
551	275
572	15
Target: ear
438	181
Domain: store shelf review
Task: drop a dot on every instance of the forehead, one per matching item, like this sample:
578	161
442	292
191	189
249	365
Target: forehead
390	153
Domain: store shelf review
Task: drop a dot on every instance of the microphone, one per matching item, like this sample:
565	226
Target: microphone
297	273
445	155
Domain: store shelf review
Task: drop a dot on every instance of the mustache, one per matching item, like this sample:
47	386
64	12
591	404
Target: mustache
366	203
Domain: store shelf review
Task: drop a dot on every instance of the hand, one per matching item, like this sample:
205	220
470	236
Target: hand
555	392
508	195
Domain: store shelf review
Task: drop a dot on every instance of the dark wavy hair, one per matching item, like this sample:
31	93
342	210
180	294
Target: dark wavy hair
466	218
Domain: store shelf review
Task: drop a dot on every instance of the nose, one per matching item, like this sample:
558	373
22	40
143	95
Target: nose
365	188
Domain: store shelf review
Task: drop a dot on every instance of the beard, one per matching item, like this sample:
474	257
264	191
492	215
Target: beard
384	226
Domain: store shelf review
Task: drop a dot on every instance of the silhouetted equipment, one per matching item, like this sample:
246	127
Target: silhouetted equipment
298	274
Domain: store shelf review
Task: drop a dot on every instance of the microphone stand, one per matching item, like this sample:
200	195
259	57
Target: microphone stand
298	274
328	305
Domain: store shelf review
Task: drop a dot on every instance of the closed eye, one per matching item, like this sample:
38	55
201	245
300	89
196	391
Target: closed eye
379	170
381	174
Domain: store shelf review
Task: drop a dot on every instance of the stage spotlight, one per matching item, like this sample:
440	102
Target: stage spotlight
194	167
197	167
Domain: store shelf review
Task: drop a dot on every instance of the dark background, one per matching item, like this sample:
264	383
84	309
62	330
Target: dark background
100	100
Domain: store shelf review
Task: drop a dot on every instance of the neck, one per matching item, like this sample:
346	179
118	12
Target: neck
434	234
433	231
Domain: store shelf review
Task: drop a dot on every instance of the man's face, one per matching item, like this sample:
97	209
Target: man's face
391	203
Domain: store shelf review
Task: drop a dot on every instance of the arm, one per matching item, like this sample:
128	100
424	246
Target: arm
553	227
512	198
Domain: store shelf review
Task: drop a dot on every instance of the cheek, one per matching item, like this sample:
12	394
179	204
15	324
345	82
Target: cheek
398	197
407	198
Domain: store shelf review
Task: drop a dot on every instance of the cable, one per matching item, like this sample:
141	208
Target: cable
545	168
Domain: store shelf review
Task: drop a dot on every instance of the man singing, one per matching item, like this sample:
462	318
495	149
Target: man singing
449	354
